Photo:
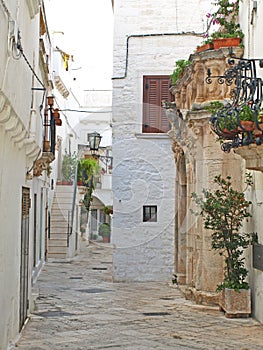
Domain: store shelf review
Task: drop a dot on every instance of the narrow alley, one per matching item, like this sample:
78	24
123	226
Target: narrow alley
78	307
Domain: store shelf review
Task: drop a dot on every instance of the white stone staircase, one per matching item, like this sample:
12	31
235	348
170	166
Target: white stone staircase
62	204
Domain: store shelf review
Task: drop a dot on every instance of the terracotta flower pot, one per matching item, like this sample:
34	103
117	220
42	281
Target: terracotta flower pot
226	42
228	132
247	125
205	47
106	239
235	303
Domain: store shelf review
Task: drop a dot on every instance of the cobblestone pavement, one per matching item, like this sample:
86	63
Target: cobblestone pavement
79	308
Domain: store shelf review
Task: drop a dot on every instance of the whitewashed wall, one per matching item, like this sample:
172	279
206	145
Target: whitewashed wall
251	23
20	142
144	168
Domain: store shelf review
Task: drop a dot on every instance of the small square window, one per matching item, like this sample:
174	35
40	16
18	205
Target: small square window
150	213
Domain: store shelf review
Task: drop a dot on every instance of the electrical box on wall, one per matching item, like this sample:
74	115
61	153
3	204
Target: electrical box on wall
258	256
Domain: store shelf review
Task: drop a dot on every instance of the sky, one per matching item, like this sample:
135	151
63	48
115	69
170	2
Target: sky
87	27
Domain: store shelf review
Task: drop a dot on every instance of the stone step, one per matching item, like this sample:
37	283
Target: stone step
61	206
60	242
58	235
58	227
58	249
66	189
57	255
60	218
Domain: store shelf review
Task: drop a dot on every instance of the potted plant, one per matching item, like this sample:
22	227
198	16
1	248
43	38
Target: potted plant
226	16
222	120
107	210
207	45
104	232
223	211
247	119
180	65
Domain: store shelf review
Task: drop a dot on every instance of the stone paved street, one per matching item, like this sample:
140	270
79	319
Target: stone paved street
79	308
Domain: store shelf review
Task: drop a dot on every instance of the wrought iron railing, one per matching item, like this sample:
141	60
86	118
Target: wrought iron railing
239	122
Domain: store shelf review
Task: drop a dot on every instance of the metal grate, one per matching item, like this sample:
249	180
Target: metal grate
156	313
94	290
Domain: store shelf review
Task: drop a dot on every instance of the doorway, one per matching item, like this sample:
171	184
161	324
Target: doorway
24	257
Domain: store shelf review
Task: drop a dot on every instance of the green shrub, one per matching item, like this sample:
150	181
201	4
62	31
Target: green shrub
180	65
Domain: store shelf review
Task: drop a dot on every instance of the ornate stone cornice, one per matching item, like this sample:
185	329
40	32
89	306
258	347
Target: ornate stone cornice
191	90
33	6
15	129
42	163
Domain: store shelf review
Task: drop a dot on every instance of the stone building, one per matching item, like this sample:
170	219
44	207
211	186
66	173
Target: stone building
199	158
148	39
154	232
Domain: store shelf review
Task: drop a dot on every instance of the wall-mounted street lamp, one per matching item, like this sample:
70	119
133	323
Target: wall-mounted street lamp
94	139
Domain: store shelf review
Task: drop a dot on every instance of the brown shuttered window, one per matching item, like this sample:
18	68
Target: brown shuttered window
155	90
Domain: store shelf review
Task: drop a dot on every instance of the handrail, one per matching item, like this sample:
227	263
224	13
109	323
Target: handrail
74	200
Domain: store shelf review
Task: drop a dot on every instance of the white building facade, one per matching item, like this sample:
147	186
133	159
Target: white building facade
149	37
24	84
251	24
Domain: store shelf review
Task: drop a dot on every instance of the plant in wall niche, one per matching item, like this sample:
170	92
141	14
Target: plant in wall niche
180	65
223	211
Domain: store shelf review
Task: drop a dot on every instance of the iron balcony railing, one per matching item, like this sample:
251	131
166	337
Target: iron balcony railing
239	122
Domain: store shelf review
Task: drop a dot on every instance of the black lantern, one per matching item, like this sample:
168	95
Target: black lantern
94	139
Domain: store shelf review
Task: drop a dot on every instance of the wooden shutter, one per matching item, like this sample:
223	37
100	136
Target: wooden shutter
155	89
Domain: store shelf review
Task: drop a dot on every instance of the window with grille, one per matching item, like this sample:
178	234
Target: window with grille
150	213
155	90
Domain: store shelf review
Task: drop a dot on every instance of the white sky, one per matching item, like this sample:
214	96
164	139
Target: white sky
88	35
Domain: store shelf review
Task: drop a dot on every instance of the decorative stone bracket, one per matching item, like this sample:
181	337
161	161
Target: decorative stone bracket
253	156
15	128
42	163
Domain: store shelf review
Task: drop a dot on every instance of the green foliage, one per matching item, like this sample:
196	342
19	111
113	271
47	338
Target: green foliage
246	113
104	230
108	209
214	107
69	164
223	211
94	236
226	15
180	65
208	41
88	168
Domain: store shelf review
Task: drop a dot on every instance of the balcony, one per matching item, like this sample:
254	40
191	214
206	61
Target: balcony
224	76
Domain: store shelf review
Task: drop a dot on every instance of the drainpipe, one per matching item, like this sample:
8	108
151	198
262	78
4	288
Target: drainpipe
151	35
